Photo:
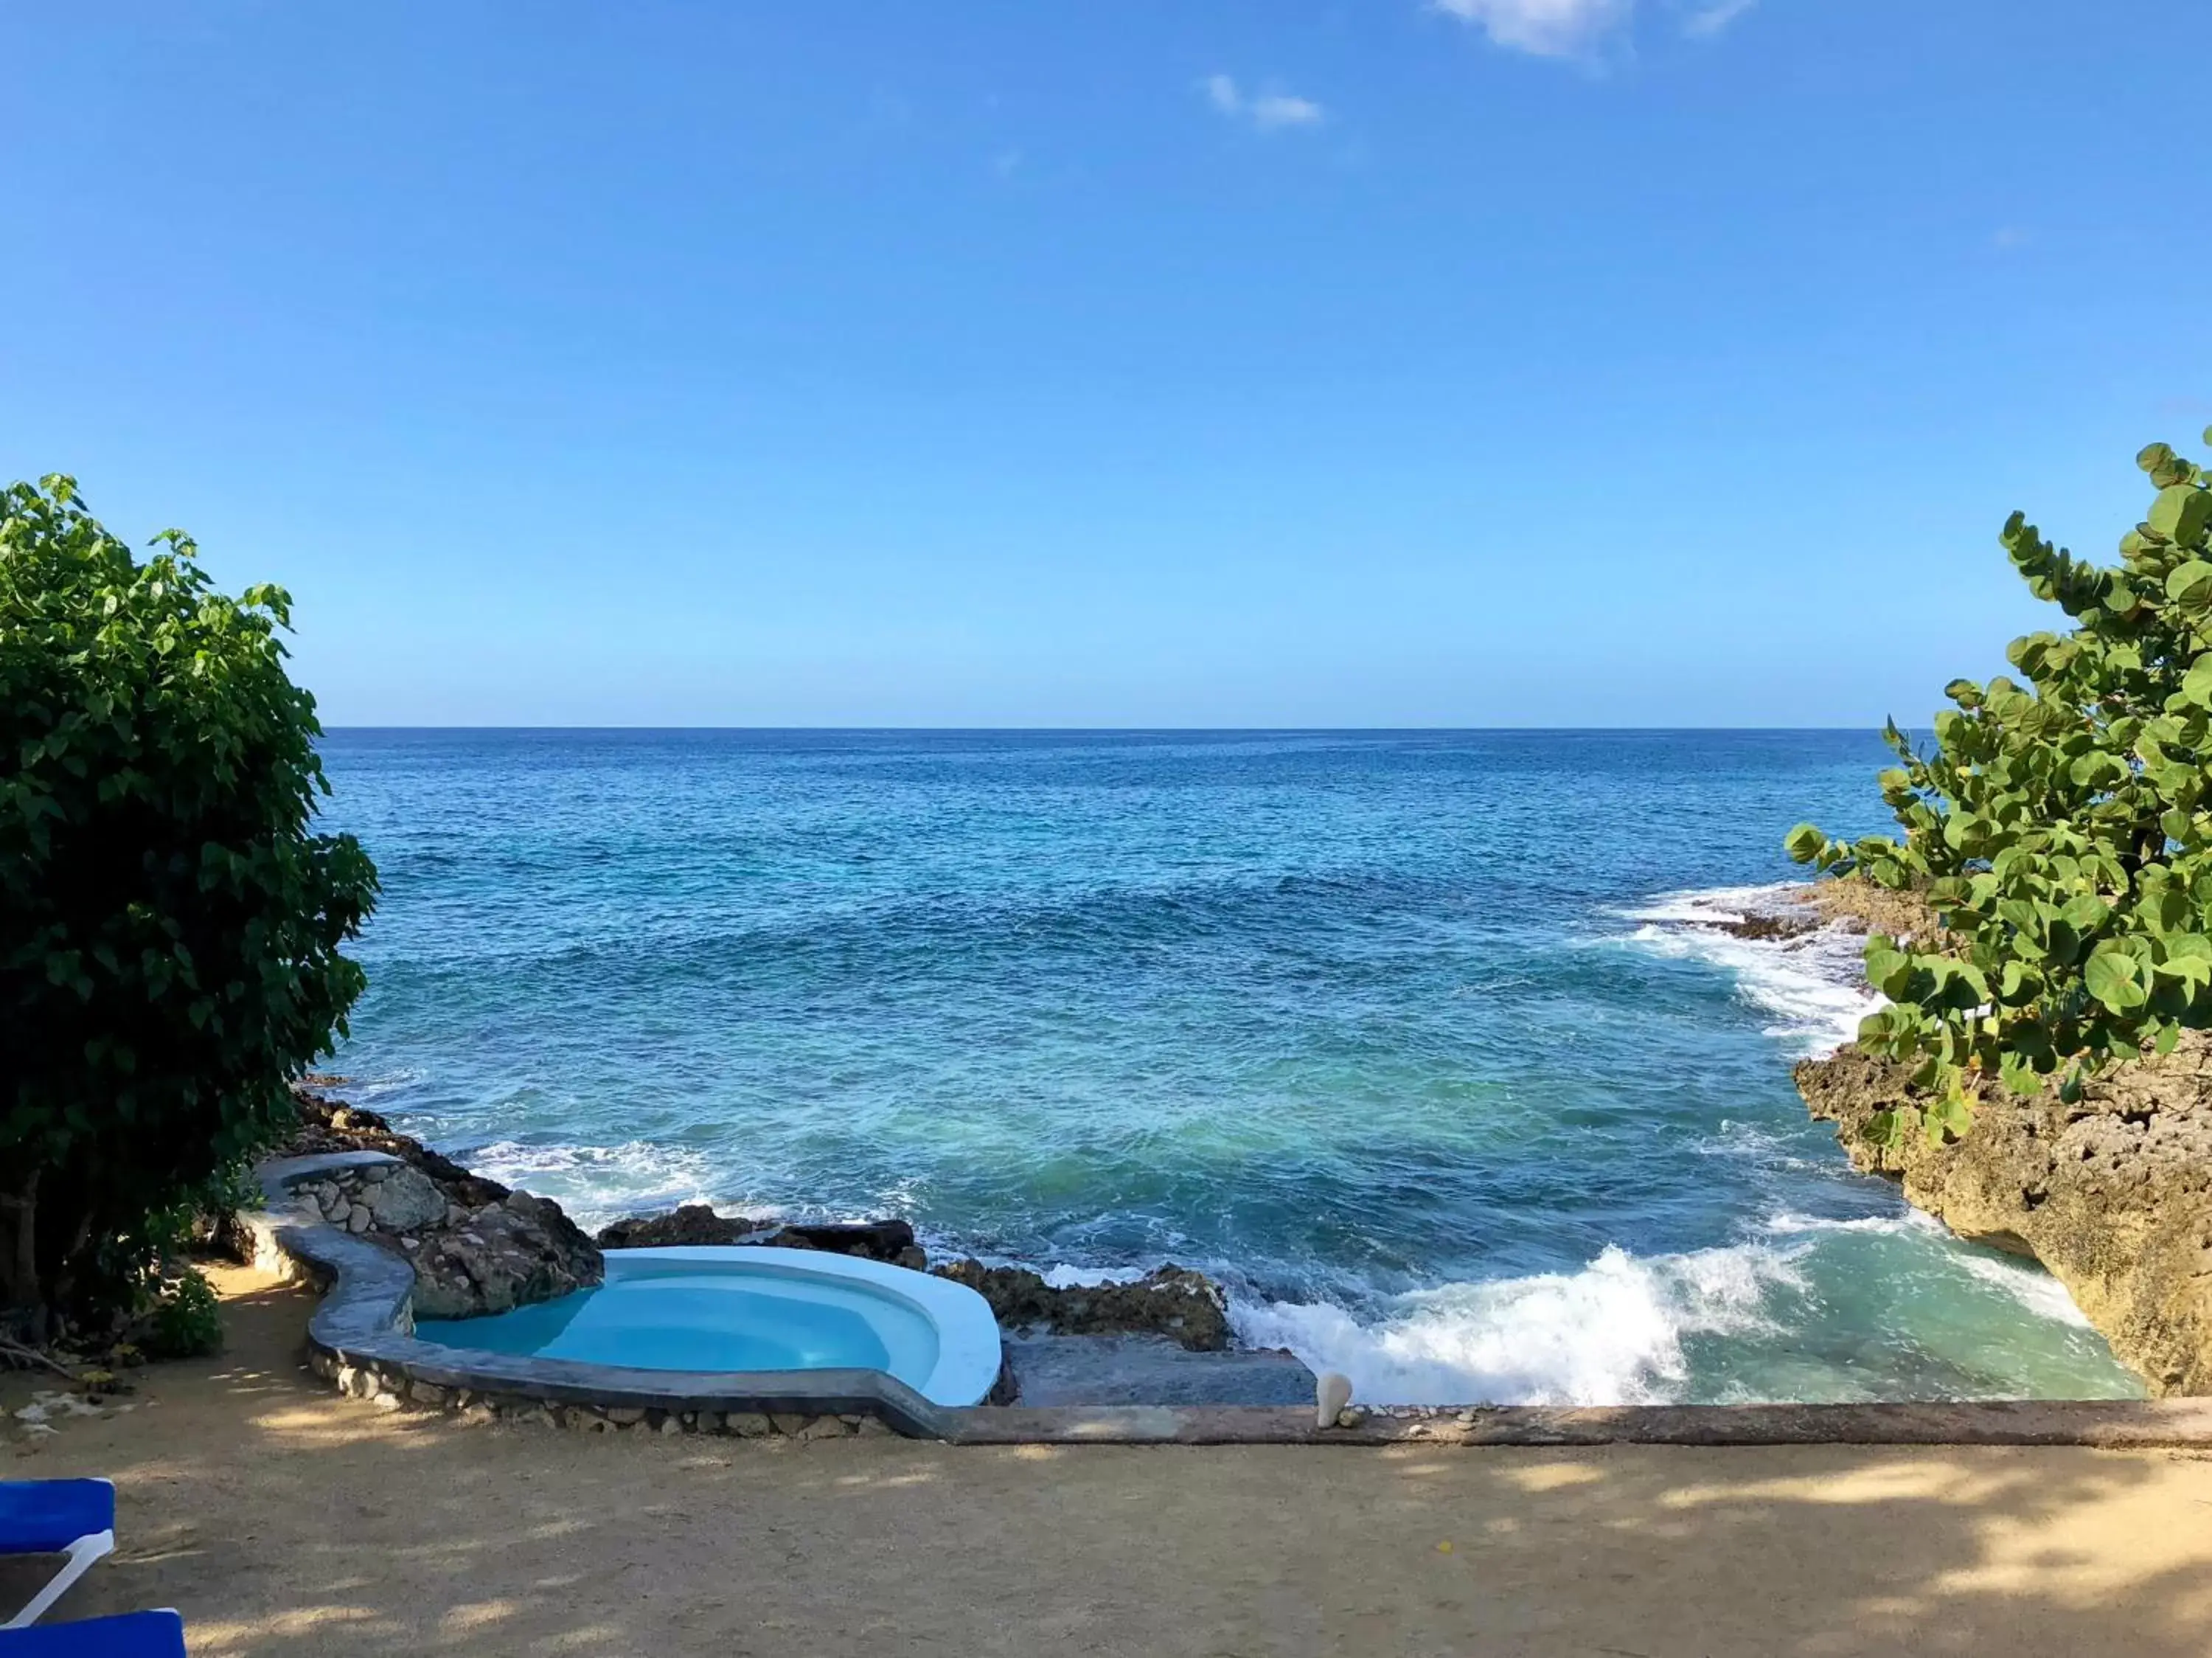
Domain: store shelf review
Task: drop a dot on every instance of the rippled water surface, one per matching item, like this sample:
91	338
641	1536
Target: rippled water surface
1412	1038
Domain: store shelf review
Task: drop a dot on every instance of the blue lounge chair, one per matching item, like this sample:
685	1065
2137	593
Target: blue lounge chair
73	1518
134	1635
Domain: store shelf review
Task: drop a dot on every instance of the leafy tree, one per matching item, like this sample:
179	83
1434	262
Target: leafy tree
2062	828
169	923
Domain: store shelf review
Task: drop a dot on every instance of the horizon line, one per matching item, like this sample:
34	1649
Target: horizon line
1145	731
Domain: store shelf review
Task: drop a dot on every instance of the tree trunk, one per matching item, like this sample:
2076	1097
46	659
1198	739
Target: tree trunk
62	1291
19	1251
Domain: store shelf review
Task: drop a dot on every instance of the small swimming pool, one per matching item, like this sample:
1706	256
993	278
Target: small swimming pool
756	1309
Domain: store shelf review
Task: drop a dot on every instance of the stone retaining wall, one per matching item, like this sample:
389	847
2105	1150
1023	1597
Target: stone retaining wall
390	1387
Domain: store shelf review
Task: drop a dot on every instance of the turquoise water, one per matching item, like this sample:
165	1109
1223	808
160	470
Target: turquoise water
1411	1038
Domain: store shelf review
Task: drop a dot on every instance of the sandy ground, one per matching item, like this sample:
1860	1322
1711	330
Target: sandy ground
281	1520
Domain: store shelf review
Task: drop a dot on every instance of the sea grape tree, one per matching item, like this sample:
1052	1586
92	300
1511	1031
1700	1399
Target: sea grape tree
2061	828
170	922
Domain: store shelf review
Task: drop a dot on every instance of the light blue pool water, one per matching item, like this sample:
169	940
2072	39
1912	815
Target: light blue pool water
683	1324
750	1310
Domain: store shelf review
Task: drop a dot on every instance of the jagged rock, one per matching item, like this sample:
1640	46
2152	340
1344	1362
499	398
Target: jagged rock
1767	926
327	1124
476	1248
696	1223
1173	1301
879	1240
505	1255
690	1224
2112	1194
1859	905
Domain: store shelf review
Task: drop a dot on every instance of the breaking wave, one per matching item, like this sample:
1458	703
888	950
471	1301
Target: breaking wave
1812	983
1610	1334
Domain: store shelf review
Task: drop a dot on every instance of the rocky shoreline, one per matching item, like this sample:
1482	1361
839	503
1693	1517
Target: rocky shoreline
2112	1194
479	1249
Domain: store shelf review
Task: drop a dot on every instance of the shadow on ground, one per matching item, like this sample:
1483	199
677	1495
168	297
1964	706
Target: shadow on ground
284	1522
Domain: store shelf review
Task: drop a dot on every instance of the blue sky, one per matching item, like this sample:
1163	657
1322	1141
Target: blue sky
1171	362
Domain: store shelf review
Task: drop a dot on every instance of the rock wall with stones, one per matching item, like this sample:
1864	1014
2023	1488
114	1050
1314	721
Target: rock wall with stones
2112	1193
391	1389
470	1260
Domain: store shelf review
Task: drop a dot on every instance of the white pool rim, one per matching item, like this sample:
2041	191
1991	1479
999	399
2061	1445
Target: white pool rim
967	1347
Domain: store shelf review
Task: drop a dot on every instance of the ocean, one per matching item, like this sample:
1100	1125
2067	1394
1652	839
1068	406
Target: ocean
1413	1039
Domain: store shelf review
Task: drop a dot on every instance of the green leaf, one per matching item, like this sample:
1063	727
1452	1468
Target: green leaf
2096	770
2181	512
1949	1117
2113	977
2190	586
2188	961
1888	1129
1888	969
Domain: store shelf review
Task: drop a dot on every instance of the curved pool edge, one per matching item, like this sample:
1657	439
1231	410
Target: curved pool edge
971	1352
362	1336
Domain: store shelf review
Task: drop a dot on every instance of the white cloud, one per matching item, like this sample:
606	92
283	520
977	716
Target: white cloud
1268	111
1715	16
1577	29
1550	29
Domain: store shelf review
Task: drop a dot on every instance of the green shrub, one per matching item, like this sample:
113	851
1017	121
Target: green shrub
170	925
2062	828
125	1269
185	1321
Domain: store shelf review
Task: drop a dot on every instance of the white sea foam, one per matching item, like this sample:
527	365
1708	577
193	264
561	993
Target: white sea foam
1762	1145
1708	905
1064	1277
1610	1334
1902	1224
2032	1287
598	1184
1813	983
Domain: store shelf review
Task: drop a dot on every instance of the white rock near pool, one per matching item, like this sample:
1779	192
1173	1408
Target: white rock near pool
1332	1392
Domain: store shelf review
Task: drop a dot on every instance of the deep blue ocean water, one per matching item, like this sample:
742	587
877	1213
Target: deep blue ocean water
1412	1038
